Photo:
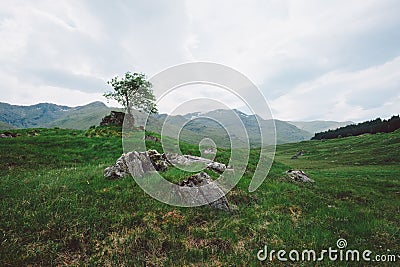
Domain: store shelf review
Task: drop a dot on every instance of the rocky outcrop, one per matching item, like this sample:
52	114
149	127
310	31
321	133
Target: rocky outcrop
185	160
138	163
118	170
8	135
210	151
299	176
198	181
151	138
115	118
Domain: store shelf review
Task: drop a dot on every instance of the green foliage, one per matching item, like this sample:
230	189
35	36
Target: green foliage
106	131
57	208
133	91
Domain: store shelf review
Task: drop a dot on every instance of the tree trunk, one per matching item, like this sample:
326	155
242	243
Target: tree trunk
129	119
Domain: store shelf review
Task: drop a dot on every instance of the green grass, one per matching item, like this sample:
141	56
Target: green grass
57	209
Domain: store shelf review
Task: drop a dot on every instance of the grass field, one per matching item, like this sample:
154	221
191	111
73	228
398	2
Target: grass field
57	209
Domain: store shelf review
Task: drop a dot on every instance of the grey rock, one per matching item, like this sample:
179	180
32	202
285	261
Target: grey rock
186	160
5	136
116	118
136	163
139	163
118	170
177	159
151	138
210	151
299	176
206	191
8	135
160	161
216	166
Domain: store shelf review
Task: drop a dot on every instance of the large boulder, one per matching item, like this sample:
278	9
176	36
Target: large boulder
186	160
118	170
116	118
8	135
202	192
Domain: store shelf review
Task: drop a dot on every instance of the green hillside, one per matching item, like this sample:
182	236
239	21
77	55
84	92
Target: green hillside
82	118
57	209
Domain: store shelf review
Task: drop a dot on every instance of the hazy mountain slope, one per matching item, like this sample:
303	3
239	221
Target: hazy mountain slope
240	125
319	126
31	116
6	126
288	133
82	117
51	115
191	127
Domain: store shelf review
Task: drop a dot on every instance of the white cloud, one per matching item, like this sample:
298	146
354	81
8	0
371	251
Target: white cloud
357	95
188	98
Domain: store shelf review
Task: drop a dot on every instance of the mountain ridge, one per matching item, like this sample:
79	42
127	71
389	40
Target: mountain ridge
49	115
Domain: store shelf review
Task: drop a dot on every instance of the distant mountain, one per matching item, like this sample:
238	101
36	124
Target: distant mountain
50	115
191	127
82	117
319	126
212	124
289	133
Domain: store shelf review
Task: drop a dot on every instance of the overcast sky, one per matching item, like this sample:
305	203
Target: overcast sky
330	60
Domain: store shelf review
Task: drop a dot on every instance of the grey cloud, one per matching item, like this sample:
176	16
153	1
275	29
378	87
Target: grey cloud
374	98
285	80
66	79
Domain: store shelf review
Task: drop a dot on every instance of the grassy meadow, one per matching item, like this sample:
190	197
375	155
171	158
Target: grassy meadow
56	207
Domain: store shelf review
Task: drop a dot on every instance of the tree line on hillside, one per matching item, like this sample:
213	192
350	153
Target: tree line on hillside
373	126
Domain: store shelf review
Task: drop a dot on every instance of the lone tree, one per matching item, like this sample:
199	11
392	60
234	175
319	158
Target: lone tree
133	91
